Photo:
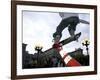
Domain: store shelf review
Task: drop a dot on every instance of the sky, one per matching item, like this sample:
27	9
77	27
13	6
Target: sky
38	28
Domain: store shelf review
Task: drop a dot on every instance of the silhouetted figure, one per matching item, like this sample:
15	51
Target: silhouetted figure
69	20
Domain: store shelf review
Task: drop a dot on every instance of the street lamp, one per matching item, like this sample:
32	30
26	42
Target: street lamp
38	49
86	43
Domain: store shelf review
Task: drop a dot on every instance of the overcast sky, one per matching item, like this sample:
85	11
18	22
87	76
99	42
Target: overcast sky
38	28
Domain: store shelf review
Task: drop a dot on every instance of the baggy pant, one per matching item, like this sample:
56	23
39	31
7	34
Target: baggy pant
70	22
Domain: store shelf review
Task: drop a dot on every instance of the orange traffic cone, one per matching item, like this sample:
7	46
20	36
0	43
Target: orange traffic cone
68	60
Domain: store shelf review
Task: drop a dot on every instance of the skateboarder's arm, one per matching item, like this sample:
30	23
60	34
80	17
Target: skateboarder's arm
83	21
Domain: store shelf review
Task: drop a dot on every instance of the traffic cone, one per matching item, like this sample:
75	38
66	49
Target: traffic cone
68	60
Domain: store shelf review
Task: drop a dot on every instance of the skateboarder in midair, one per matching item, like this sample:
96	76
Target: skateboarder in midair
69	20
